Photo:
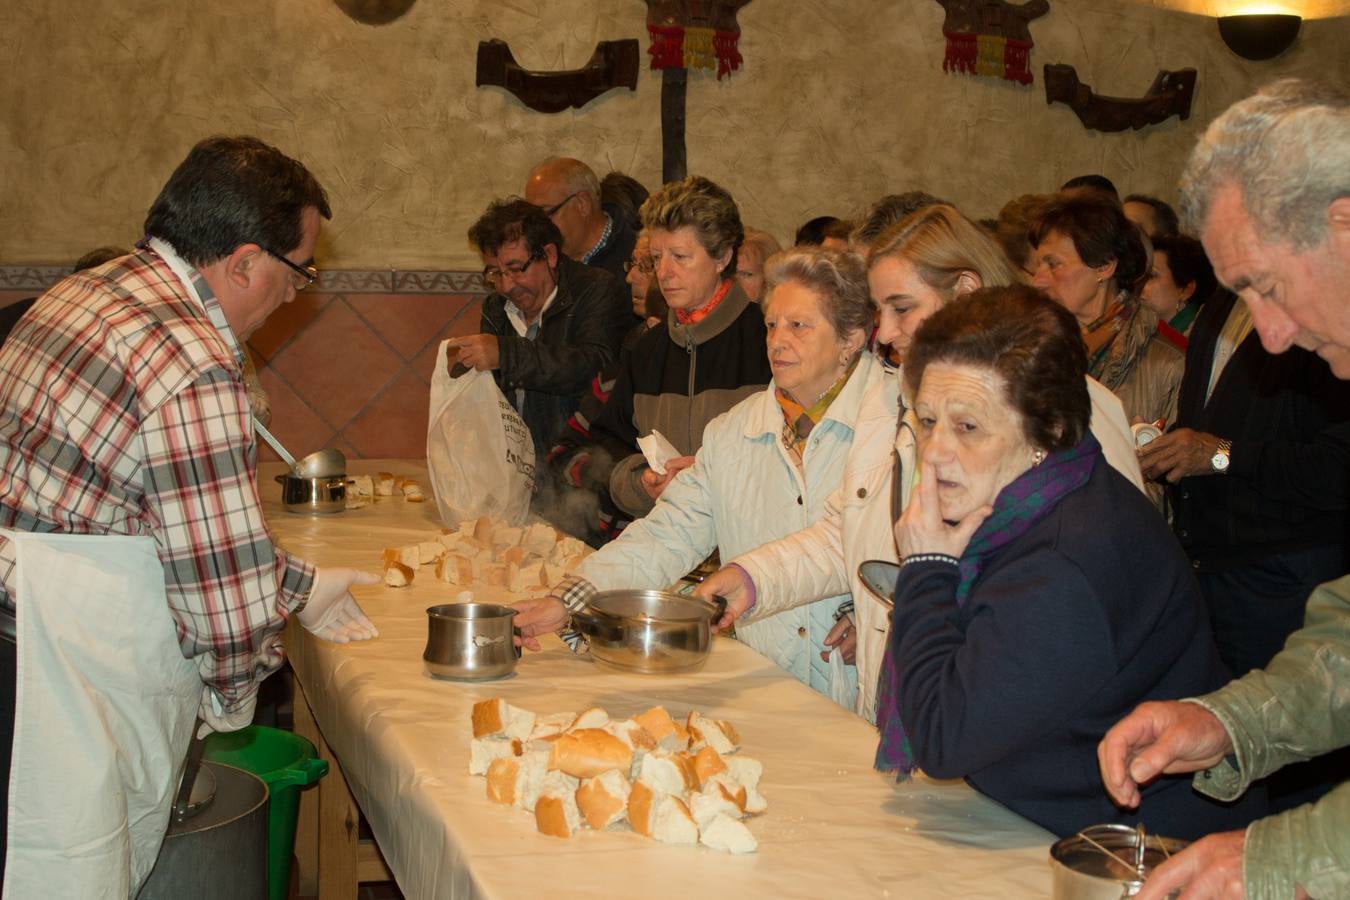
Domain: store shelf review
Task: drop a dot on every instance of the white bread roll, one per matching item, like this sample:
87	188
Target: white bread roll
708	732
588	752
396	574
482	752
429	552
555	809
362	486
497	718
482	531
512	555
746	772
735	791
539	539
660	726
726	834
713	801
506	536
535	764
595	717
670	821
506	779
668	774
412	491
707	763
603	800
551	725
384	484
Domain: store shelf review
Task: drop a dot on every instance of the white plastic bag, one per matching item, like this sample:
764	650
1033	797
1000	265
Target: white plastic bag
480	455
843	680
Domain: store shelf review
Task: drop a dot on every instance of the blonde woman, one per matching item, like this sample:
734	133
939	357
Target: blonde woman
915	268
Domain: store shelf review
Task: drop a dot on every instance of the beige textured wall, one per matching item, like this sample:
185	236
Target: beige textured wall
840	101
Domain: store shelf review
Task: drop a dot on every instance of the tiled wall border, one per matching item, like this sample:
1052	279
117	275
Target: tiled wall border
331	281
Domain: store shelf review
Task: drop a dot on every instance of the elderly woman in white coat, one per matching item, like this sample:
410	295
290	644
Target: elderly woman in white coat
765	469
919	265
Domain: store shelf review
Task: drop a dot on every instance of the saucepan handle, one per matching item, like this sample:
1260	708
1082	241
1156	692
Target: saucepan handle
594	626
719	608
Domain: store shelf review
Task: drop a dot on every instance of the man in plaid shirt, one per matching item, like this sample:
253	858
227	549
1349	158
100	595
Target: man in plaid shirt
123	412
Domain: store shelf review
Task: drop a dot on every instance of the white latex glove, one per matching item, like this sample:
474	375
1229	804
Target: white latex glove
332	612
214	718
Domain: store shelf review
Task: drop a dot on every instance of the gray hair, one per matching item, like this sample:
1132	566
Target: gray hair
840	279
1287	148
702	205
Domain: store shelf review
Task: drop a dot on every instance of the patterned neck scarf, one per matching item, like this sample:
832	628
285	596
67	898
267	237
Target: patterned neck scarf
798	421
1019	506
1117	340
694	316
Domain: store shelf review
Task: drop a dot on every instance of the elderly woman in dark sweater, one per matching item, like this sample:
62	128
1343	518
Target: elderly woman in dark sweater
1021	631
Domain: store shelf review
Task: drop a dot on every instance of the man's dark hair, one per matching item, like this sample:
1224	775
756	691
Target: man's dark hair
232	191
511	220
1164	216
1092	183
812	233
626	194
1187	262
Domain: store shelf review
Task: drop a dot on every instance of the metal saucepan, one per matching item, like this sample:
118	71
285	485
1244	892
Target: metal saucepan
649	631
880	576
471	641
313	495
1107	862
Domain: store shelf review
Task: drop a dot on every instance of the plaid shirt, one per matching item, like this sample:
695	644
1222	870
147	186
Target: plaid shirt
123	412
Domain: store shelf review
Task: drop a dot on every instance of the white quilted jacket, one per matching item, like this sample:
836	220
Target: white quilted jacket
741	492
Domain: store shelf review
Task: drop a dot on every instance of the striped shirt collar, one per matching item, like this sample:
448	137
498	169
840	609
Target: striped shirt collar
198	288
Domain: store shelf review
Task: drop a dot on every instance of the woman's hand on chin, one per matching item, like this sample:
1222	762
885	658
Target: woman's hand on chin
921	528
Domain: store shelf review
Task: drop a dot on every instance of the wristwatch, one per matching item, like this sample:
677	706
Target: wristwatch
1218	463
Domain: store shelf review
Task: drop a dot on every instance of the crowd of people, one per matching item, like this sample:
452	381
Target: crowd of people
1109	462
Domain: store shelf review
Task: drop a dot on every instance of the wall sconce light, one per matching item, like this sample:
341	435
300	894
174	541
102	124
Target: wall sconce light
1259	35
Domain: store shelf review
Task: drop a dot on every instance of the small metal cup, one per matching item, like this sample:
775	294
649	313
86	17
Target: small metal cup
471	641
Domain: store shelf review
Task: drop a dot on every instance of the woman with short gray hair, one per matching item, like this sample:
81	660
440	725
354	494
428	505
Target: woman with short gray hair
766	469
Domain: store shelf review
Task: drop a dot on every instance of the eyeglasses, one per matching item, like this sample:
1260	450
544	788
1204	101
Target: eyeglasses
495	276
302	277
560	204
643	265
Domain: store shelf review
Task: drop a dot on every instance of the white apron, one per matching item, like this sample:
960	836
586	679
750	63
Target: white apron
104	708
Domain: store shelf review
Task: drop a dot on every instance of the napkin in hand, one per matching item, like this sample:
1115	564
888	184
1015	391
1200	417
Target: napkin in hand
658	451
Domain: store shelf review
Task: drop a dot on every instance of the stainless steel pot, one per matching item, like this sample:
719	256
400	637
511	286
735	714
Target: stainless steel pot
471	641
1107	862
649	631
313	496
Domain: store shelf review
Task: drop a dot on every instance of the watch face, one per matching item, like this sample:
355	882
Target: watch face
1219	461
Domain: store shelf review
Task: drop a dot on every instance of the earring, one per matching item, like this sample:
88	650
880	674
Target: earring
1037	458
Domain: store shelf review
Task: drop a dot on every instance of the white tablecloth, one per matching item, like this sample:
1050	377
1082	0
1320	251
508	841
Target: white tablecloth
835	827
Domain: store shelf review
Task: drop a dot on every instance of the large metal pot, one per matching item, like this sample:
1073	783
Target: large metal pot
649	631
220	852
471	641
1107	862
313	496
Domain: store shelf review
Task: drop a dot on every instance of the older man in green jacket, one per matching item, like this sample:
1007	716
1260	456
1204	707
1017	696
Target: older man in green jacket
1269	187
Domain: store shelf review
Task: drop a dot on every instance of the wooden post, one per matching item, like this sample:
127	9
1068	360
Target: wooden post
674	92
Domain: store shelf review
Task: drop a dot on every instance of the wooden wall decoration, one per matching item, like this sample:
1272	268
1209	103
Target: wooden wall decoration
1169	95
990	37
614	64
688	34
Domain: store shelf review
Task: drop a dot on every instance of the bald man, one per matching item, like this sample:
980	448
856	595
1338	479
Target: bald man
593	233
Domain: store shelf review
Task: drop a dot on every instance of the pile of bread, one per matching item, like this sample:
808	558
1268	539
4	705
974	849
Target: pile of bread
679	783
488	551
361	488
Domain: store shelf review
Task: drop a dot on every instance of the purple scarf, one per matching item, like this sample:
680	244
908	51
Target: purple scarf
1020	505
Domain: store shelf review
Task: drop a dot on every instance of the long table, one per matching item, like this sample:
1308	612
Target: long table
834	827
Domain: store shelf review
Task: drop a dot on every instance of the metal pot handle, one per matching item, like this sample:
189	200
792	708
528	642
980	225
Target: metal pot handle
281	479
719	604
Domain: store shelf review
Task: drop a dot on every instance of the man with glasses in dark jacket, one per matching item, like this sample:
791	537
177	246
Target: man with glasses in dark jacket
550	323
